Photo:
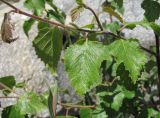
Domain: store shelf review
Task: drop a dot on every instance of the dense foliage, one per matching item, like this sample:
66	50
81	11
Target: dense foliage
116	74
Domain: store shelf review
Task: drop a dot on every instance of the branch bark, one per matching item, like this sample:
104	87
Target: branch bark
16	10
158	62
148	51
97	19
8	97
77	106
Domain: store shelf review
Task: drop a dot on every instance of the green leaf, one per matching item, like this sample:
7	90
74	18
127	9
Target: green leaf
122	94
90	26
27	25
30	103
156	28
129	94
48	44
152	9
92	37
20	85
11	112
108	8
129	53
9	81
118	5
52	100
56	16
99	113
118	95
86	113
153	113
50	2
79	2
117	101
37	5
149	25
82	62
142	23
50	103
66	117
130	25
113	27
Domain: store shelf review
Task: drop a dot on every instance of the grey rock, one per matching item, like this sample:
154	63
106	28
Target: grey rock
20	60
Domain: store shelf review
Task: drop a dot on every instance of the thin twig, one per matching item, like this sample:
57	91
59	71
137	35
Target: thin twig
54	97
7	88
110	17
109	83
158	62
97	19
77	106
67	111
4	97
16	10
147	50
123	27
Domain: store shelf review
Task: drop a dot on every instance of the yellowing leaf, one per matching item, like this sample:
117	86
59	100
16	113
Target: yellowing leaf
75	13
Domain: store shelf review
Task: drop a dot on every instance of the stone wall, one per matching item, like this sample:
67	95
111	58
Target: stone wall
20	60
